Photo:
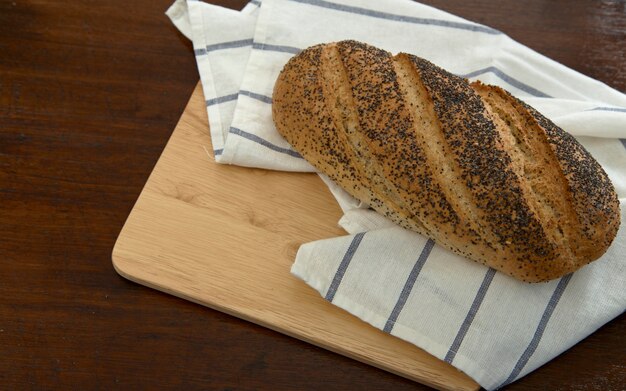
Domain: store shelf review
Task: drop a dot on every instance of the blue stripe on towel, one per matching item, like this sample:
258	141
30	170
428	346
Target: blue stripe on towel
469	318
276	48
509	79
265	143
408	286
228	45
343	266
254	95
221	99
616	109
534	342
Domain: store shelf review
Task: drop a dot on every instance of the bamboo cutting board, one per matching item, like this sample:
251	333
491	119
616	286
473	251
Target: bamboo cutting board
225	237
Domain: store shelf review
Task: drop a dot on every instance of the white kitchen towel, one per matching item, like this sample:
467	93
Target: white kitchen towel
488	325
222	39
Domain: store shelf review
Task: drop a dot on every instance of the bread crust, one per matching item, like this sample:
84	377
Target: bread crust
460	163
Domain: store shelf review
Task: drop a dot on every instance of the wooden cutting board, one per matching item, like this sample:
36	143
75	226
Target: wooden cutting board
225	237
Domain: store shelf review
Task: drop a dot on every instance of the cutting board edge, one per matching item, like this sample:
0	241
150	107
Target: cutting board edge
118	262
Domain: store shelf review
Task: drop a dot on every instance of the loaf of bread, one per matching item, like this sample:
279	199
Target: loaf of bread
466	164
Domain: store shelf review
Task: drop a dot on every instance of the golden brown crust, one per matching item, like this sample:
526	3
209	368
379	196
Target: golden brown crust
595	201
459	163
302	110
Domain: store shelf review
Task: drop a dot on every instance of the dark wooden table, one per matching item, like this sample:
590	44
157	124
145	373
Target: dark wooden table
89	93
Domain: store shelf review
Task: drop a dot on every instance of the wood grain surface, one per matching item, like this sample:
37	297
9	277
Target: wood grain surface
89	95
226	237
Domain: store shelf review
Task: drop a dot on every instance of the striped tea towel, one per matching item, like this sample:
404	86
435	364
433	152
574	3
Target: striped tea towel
488	325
